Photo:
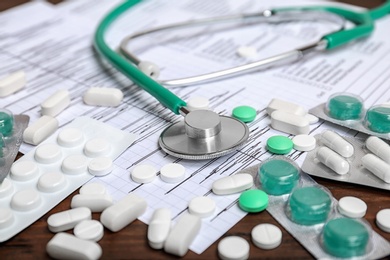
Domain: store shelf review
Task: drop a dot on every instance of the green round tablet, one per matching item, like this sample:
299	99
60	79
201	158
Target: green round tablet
244	113
378	119
253	201
345	237
279	144
345	107
6	122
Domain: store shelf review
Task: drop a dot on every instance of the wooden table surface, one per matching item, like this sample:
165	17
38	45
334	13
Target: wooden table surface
131	242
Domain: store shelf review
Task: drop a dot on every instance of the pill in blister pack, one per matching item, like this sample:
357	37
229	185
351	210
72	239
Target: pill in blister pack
46	175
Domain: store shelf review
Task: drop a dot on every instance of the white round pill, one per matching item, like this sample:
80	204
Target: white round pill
6	188
48	153
352	207
304	143
89	230
202	207
266	236
74	164
172	172
383	220
93	188
51	182
197	103
233	248
312	118
97	147
143	173
24	170
6	217
70	137
100	166
26	200
246	51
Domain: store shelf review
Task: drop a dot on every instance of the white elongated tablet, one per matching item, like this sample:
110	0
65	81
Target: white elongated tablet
377	166
26	200
123	212
97	147
383	220
51	182
100	166
40	130
289	123
159	227
68	219
198	103
277	104
304	143
12	83
56	103
93	188
95	202
48	153
182	234
70	137
66	246
106	97
233	248
89	230
266	236
6	217
333	160
6	188
352	207
338	144
378	147
232	184
202	207
172	173
143	173
24	170
74	164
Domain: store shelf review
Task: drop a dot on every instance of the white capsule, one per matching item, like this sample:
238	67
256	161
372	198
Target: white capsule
377	166
56	103
159	227
337	143
378	147
277	104
12	83
40	130
68	219
95	202
232	184
106	97
289	123
333	160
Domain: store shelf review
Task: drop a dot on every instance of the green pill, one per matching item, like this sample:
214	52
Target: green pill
309	206
253	201
345	237
378	119
245	114
278	176
279	144
345	107
6	122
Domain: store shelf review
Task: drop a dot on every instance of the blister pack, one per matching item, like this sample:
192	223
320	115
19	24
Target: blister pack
58	166
309	212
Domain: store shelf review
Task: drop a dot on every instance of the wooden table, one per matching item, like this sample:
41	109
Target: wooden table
131	242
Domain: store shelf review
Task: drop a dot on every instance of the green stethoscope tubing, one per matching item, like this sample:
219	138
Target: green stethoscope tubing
364	25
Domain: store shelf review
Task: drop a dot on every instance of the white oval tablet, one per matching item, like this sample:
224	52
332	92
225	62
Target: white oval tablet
70	137
246	51
66	246
304	143
95	202
6	188
48	153
51	182
24	170
100	166
107	97
56	103
232	184
159	227
383	220
26	200
74	164
143	173
172	172
6	217
97	147
40	130
89	230
338	144
266	236
12	83
202	207
93	188
233	248
289	123
198	103
352	207
68	219
333	160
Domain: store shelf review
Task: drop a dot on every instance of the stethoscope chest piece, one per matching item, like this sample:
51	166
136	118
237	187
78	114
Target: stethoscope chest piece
203	134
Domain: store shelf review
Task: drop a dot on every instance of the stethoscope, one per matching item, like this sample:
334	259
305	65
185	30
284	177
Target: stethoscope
204	134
